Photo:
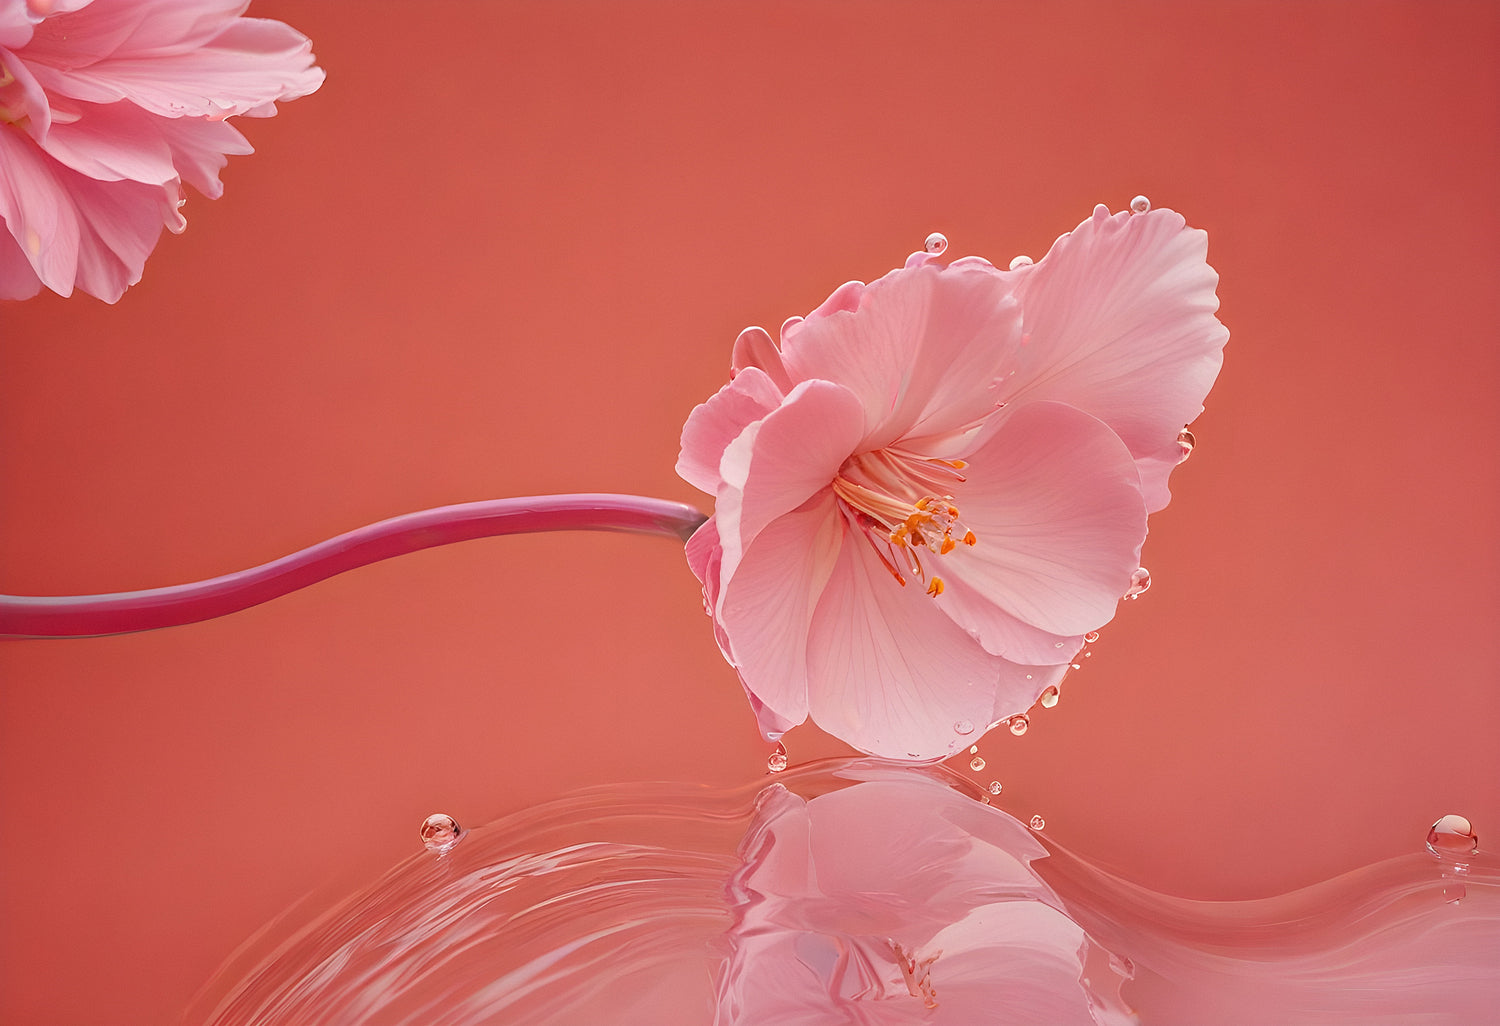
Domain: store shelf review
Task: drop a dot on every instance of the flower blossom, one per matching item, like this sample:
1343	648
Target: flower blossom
938	483
897	900
106	108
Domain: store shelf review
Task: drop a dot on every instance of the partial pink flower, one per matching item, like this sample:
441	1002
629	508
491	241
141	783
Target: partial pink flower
896	901
106	108
938	483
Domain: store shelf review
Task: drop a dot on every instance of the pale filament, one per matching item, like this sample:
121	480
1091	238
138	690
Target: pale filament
917	975
901	502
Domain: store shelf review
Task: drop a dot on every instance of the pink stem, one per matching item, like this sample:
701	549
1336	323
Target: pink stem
81	616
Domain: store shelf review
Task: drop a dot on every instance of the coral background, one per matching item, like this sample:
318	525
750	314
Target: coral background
506	249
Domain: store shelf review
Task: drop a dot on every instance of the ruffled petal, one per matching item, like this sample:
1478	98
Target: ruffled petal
766	607
201	148
119	224
38	212
755	348
923	348
113	142
1053	497
1119	322
714	424
779	462
892	675
18	279
241	68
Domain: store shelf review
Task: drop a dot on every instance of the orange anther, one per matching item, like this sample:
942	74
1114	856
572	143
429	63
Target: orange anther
935	587
948	545
969	538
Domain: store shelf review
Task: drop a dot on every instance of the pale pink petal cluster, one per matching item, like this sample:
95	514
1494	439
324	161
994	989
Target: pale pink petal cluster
106	108
900	901
937	484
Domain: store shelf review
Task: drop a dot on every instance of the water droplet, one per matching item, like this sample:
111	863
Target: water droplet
973	749
963	727
1091	637
936	243
775	735
977	763
1037	822
1140	583
985	798
1049	697
995	787
1057	644
440	832
1021	261
1185	441
1452	838
1019	723
1028	676
777	762
1140	205
1075	666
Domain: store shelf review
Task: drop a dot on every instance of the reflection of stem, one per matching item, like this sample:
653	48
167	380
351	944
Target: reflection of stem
77	616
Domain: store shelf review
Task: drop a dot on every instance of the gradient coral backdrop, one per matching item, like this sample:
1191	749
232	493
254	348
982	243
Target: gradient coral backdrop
507	248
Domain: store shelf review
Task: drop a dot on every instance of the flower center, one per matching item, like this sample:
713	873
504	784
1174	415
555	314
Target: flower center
901	503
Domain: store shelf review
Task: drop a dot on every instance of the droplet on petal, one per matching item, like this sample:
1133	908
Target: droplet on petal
1185	442
1049	697
777	761
1021	261
1140	583
1091	637
1140	205
963	727
440	832
1019	723
1037	822
995	787
1452	838
775	735
936	243
977	763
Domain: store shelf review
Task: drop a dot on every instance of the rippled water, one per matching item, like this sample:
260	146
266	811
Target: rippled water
850	891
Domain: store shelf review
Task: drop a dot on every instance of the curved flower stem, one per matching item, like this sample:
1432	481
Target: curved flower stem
80	616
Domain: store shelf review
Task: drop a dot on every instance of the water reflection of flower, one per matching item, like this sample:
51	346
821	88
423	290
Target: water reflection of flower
106	108
898	900
939	482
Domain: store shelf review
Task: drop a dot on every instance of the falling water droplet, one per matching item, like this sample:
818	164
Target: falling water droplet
440	832
995	787
1019	723
963	727
1140	583
973	749
1049	697
1452	838
1185	441
977	763
1021	261
777	761
1140	205
1091	637
1075	666
1037	822
936	243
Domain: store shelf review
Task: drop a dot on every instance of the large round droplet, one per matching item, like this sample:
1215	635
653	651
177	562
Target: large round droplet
1049	697
777	761
1453	838
1091	637
1037	822
1021	261
1185	442
963	727
1140	583
936	243
440	832
977	763
1019	724
996	787
1140	205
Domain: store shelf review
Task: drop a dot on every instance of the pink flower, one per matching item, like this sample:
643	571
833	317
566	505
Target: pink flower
106	108
897	900
939	482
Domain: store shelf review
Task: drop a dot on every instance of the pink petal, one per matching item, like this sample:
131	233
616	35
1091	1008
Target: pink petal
714	424
766	607
1119	320
119	224
923	349
1053	496
24	100
128	54
18	280
113	142
891	674
779	462
38	211
200	150
754	348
